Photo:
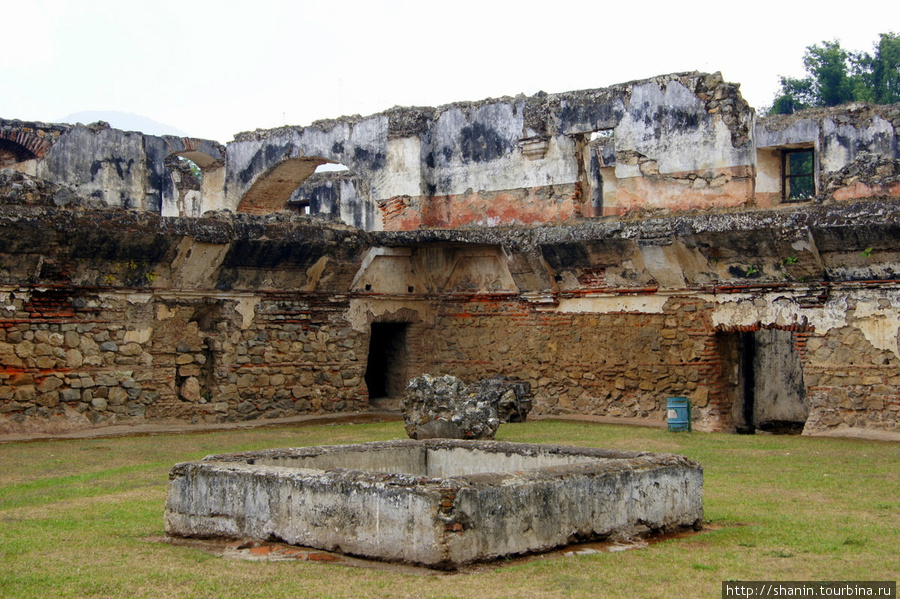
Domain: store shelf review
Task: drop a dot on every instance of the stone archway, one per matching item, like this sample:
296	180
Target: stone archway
272	190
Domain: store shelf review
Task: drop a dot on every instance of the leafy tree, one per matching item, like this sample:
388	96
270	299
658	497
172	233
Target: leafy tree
835	76
879	75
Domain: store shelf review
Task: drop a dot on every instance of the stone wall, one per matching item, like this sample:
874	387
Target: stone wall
851	383
626	362
74	360
114	316
620	363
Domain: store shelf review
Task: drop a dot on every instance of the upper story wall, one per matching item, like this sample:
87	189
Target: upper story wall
855	150
117	168
522	160
684	141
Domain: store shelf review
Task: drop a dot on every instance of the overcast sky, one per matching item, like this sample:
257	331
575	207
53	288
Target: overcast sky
215	68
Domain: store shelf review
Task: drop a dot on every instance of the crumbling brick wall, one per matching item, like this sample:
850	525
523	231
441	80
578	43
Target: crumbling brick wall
622	364
72	359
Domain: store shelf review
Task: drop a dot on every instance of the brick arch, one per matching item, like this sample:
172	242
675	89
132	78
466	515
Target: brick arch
24	145
271	191
12	153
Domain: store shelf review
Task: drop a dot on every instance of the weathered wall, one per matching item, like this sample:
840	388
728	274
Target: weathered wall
856	151
116	316
520	160
112	316
684	141
118	168
166	310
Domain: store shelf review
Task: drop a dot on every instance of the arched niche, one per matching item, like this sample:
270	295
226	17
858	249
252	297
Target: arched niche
316	186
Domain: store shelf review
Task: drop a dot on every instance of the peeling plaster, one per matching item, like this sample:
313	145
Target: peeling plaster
314	273
881	331
137	298
363	312
879	325
743	310
246	307
196	262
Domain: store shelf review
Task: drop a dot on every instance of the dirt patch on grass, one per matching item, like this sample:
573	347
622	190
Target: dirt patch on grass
254	550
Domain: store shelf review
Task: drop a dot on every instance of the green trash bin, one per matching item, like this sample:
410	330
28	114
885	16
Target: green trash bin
679	414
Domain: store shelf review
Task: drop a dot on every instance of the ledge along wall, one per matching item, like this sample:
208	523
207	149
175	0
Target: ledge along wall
659	259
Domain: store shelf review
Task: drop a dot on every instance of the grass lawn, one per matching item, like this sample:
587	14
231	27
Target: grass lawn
76	516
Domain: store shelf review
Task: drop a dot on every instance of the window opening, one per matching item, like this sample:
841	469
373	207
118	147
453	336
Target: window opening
192	167
596	151
300	206
798	180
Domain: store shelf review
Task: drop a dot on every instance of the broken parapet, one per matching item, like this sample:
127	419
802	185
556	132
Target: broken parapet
868	175
17	188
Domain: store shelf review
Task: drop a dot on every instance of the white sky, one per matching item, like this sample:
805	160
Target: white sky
215	68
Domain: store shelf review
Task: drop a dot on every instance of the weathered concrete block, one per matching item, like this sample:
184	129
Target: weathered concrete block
439	503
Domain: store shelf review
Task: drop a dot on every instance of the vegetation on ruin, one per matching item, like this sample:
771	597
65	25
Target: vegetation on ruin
835	76
82	518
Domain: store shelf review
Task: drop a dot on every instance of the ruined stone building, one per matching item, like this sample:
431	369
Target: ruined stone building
613	247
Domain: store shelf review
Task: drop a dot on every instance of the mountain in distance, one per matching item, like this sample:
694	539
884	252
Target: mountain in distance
126	121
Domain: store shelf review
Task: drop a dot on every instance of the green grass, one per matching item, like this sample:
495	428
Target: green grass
77	518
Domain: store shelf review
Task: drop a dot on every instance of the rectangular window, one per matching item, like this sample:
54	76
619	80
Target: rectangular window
302	205
798	175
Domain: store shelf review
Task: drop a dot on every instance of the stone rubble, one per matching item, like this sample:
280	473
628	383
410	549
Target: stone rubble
445	407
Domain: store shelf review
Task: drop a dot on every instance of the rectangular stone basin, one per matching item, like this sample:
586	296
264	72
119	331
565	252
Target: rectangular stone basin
440	503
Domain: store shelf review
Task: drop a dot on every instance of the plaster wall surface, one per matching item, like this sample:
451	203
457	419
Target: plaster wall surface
684	141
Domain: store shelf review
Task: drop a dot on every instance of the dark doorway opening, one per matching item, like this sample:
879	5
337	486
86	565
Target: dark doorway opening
766	378
386	371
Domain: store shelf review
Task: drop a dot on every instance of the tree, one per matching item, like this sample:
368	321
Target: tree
835	76
879	75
